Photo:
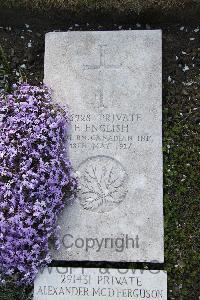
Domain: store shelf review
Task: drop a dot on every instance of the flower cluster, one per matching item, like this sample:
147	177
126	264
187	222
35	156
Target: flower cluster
36	178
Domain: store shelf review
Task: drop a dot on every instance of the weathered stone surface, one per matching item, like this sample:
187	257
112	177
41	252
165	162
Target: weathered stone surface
90	284
112	83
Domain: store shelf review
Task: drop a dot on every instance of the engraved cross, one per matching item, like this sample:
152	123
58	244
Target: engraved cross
101	66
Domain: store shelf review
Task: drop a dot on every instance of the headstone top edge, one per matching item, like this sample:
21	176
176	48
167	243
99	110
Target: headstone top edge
103	32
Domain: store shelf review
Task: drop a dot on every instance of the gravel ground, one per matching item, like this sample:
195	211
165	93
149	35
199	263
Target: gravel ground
22	39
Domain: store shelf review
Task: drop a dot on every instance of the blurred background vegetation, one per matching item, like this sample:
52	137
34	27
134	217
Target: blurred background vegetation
75	5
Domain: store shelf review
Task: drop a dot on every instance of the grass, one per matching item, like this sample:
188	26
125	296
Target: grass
4	71
181	203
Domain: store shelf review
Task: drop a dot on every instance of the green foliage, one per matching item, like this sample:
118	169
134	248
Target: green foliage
12	292
181	201
4	71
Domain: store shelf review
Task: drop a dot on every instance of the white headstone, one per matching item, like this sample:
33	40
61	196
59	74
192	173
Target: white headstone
112	83
94	284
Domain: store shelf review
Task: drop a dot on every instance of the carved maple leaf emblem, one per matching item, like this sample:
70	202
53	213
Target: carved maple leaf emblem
103	184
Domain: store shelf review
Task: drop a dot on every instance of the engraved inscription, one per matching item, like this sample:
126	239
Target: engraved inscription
103	184
114	132
75	283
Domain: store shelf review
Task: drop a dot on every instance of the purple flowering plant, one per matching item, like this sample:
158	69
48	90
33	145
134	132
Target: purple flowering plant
36	178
